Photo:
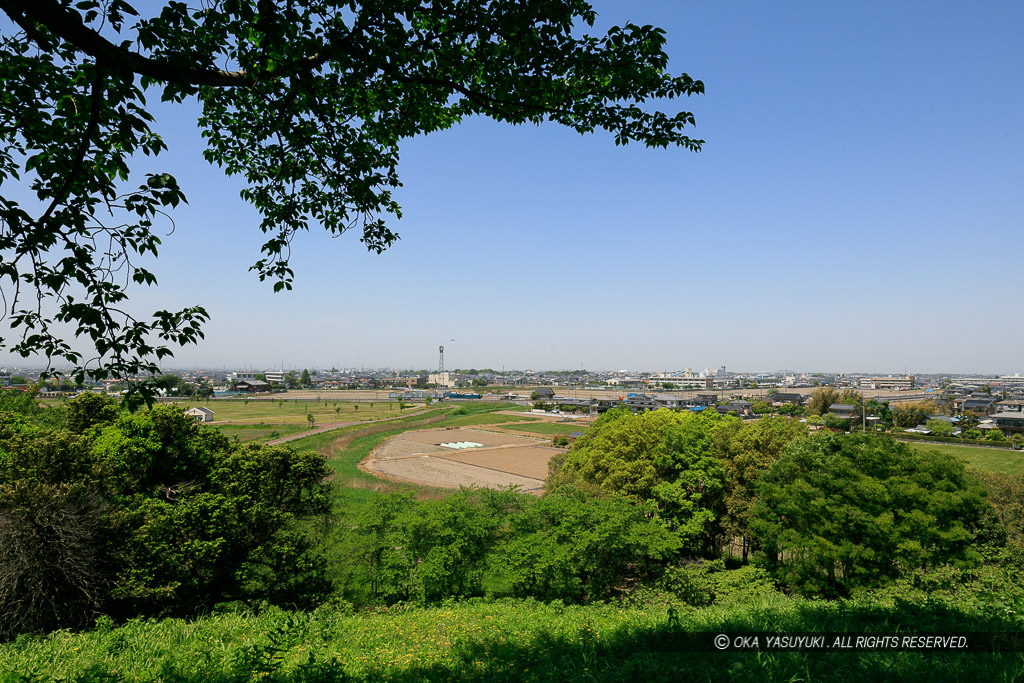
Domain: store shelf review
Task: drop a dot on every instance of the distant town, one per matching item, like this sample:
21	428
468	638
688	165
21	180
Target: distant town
270	380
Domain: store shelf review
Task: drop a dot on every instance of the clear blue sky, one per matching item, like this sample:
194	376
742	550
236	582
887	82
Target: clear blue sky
858	206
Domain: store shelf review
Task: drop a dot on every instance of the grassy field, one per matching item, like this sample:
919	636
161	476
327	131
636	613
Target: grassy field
505	640
286	412
490	419
260	433
549	428
990	459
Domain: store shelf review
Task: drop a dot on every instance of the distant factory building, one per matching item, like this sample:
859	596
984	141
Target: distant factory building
904	382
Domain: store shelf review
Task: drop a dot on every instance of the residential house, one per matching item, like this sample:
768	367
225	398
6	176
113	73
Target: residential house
200	414
1009	423
252	386
640	402
844	411
980	405
740	408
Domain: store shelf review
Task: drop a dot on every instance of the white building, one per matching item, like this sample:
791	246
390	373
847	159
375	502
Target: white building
200	414
442	380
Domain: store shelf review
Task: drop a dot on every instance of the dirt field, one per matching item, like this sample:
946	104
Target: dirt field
503	460
529	461
450	474
487	438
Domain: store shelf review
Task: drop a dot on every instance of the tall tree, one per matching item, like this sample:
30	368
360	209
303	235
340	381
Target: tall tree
661	456
837	511
307	100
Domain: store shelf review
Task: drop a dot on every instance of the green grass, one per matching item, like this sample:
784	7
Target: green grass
989	459
506	640
294	412
260	433
489	419
549	428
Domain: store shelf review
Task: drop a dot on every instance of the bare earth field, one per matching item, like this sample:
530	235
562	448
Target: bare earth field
503	460
439	436
527	461
449	474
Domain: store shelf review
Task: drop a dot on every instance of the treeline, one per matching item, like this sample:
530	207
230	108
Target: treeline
825	513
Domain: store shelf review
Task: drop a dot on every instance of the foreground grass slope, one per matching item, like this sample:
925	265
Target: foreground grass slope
507	641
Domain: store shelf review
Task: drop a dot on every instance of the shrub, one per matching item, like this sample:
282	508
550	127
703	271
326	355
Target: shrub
52	564
708	582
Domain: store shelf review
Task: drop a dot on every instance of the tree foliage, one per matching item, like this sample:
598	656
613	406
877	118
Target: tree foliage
823	398
568	546
748	450
306	101
148	513
906	417
664	457
835	512
939	427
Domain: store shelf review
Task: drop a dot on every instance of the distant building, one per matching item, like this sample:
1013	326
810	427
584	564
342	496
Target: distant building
845	411
200	414
410	381
979	405
686	379
740	408
544	393
1009	423
252	386
442	380
904	382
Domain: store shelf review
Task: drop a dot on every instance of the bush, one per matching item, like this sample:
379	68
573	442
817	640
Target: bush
52	564
708	582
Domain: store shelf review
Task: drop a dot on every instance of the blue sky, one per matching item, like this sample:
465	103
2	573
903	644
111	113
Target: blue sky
858	206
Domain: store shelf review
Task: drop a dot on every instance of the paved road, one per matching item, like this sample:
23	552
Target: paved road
338	425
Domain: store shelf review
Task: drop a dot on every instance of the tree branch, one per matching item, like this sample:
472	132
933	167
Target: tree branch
68	26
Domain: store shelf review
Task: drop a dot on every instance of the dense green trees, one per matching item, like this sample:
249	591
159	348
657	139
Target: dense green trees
905	417
835	512
747	451
698	469
660	456
939	427
147	513
569	546
823	398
